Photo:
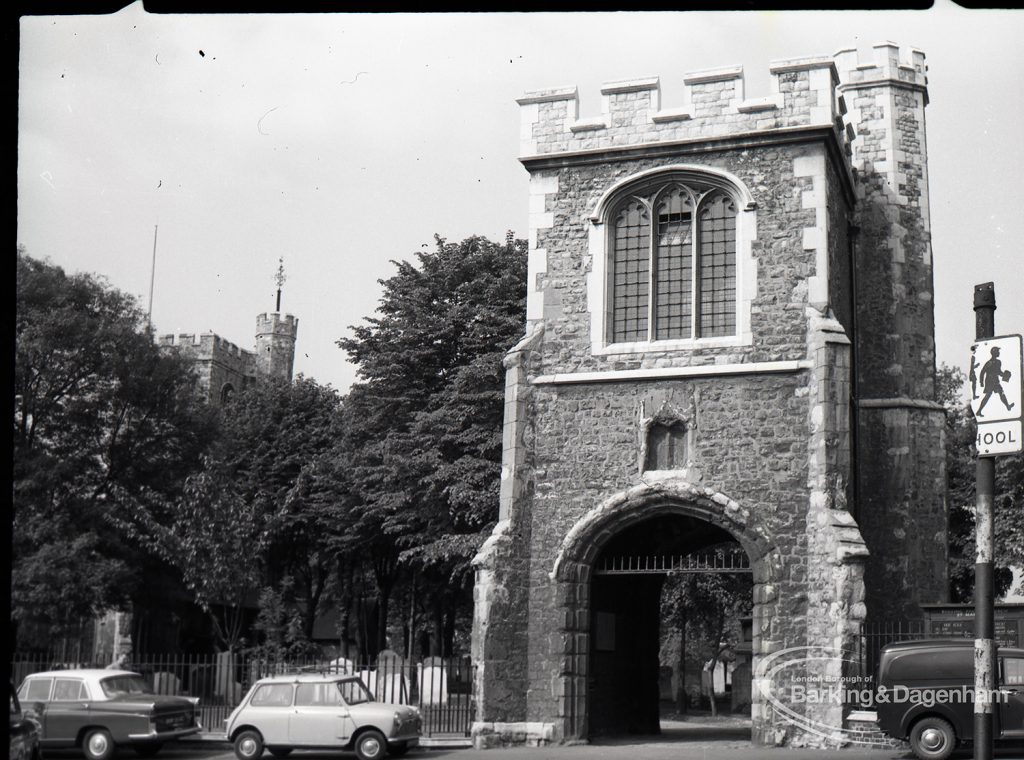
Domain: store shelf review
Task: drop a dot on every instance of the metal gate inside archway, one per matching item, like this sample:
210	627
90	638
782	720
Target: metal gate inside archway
668	600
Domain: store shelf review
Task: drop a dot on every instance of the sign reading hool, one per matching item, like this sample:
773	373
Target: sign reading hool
995	377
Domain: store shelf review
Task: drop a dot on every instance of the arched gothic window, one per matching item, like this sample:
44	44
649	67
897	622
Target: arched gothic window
226	393
672	264
666	446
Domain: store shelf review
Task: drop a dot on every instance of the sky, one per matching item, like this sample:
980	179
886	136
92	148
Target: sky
341	142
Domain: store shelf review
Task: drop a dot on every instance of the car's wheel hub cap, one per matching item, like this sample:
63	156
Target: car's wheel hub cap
97	744
932	739
371	748
248	747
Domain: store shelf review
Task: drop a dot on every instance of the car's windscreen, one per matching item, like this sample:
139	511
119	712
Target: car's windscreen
354	692
117	686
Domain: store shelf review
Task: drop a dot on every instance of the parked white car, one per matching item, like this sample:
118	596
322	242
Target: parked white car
319	711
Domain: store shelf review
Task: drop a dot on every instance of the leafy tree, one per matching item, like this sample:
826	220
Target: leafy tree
961	458
217	543
101	418
260	517
278	441
423	429
704	610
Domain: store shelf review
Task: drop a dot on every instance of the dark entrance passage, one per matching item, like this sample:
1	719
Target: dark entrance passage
626	678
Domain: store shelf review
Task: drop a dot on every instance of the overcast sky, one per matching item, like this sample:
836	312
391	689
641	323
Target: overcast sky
341	142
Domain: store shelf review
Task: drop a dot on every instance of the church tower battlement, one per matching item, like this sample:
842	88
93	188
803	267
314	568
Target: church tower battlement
275	344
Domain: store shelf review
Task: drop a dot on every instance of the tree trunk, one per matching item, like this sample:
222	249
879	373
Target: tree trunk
437	627
681	691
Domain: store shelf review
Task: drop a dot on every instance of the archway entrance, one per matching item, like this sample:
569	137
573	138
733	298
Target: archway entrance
667	599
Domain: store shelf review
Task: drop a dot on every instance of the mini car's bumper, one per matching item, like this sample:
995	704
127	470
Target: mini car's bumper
412	741
163	736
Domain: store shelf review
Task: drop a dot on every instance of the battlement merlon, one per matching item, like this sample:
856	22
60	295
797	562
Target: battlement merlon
275	323
207	345
804	93
889	65
179	339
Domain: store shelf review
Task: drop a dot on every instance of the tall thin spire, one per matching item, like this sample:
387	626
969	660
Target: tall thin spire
279	278
152	278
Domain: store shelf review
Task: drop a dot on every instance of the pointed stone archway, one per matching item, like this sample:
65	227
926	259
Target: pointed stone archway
573	568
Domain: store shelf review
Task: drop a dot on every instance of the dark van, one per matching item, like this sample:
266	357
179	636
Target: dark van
925	694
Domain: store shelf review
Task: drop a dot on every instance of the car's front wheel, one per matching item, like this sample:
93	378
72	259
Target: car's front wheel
371	745
932	739
98	744
248	745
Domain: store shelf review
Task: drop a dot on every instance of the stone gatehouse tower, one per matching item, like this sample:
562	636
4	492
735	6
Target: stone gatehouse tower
729	337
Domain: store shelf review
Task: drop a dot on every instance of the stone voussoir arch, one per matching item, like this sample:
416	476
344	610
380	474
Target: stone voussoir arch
585	540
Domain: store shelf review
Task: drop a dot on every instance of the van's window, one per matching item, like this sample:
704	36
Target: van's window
38	690
1013	671
273	695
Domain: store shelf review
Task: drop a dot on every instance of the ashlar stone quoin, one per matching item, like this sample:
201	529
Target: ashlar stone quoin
730	329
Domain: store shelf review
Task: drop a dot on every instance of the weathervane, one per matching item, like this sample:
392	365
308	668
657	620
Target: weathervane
279	278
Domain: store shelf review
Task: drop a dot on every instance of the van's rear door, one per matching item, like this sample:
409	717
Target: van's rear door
1011	696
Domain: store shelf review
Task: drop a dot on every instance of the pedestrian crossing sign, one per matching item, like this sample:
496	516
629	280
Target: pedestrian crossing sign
995	377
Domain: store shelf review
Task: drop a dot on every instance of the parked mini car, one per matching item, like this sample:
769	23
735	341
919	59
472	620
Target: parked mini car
925	694
319	711
97	710
24	733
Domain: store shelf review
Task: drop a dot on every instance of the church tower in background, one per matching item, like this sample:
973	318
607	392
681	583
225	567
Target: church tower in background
222	368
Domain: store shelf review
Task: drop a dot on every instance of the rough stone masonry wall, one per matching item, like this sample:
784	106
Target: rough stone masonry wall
782	261
749	442
902	491
215	362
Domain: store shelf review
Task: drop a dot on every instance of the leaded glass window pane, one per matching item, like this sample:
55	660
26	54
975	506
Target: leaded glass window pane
673	304
631	273
672	278
717	267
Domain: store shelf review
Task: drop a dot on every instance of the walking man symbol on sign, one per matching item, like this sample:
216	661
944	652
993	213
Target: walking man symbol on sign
992	377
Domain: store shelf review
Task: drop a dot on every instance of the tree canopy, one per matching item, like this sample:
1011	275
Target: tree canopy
423	425
101	417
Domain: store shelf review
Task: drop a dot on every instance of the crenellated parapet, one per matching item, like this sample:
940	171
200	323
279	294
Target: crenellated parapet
203	345
803	94
275	323
889	64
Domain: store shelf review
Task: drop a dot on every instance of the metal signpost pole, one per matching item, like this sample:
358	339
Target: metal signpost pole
984	590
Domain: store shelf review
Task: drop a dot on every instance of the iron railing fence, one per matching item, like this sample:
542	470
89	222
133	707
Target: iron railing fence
442	688
864	659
